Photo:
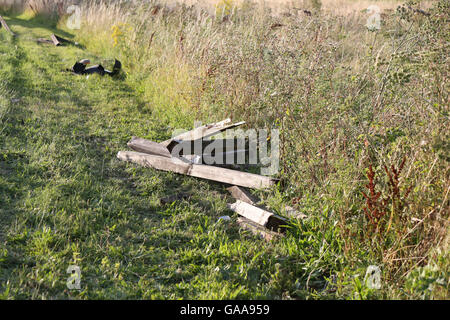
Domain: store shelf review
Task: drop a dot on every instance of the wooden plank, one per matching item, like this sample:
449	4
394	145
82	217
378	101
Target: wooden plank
60	40
147	146
260	216
242	194
209	159
257	229
216	146
201	132
224	175
215	130
195	133
5	25
55	40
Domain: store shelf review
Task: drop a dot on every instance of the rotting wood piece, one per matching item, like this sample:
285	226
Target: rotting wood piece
57	41
260	216
257	229
241	194
223	175
221	158
208	146
147	146
5	25
54	39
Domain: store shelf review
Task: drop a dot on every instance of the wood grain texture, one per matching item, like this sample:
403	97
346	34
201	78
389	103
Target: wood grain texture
257	230
260	216
224	175
5	25
241	194
202	132
147	146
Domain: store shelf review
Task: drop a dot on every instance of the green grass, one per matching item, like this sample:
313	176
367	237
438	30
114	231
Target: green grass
66	200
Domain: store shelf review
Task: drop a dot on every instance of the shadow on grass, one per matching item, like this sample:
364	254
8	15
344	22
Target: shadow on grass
37	22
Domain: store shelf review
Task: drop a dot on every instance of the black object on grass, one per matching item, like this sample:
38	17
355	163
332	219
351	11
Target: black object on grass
80	68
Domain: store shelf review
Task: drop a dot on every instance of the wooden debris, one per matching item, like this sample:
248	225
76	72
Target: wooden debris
54	39
5	25
216	146
147	146
257	229
241	194
201	132
224	175
260	216
218	159
59	41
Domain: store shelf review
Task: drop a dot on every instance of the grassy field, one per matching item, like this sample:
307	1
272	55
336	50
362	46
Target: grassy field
346	99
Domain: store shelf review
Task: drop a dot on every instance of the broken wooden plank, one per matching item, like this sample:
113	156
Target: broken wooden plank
260	216
241	194
175	197
194	134
147	146
54	39
209	146
258	230
224	175
57	41
201	132
221	158
5	25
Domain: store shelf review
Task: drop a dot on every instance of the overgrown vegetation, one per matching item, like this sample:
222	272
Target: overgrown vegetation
364	122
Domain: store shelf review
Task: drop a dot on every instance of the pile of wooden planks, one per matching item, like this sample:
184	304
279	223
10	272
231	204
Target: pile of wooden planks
159	156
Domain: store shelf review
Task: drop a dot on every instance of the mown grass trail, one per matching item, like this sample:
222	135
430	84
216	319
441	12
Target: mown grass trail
66	200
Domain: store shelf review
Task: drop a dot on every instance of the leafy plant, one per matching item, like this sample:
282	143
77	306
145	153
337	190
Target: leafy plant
392	204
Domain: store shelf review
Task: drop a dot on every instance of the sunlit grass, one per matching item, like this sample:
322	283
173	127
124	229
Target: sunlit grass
343	97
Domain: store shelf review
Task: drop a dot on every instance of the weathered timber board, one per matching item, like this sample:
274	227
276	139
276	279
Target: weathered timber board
224	175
